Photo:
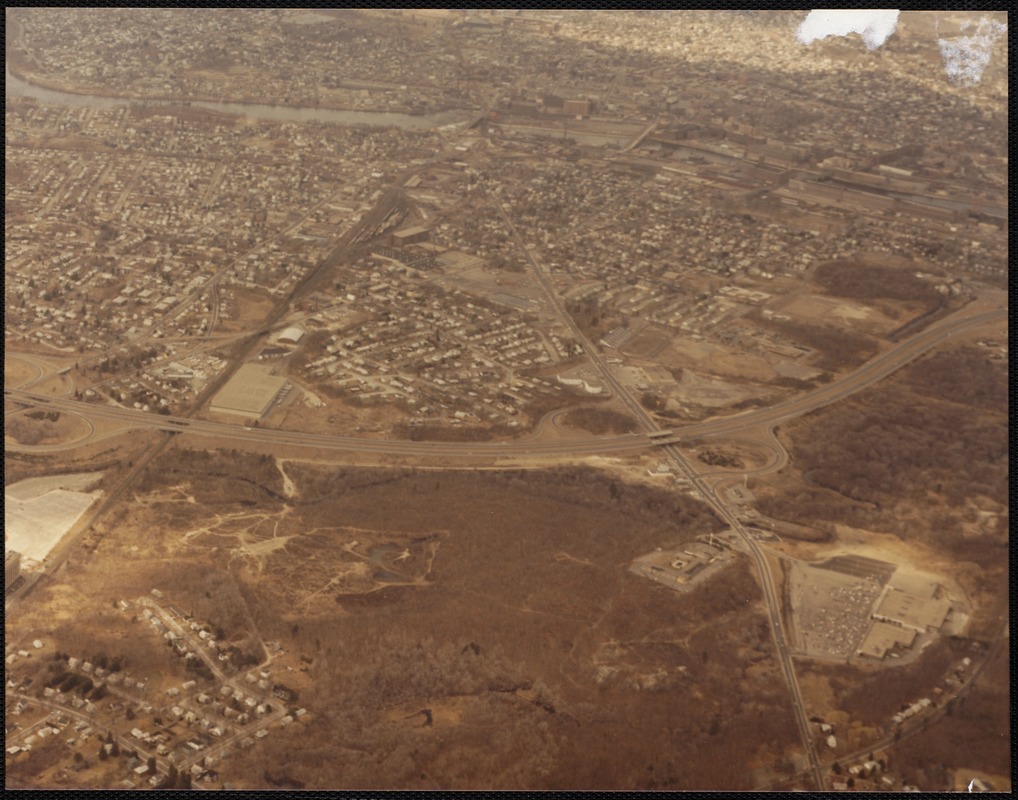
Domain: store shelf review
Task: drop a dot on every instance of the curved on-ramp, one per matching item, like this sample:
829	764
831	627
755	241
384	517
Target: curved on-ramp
870	373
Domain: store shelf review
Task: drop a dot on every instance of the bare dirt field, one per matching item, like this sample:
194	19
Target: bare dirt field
720	360
249	307
854	315
543	663
648	343
701	390
509	288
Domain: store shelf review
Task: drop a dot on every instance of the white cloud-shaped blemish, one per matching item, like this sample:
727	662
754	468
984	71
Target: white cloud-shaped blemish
965	57
875	27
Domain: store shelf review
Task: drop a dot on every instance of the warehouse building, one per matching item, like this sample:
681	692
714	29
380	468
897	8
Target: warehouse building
251	392
291	335
884	638
408	236
920	614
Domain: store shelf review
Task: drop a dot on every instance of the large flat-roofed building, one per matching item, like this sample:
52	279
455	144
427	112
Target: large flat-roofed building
418	233
910	611
250	393
580	108
917	585
884	637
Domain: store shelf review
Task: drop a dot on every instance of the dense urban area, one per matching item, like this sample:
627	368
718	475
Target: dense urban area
425	399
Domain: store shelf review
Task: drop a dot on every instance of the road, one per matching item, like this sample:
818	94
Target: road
643	135
60	553
867	375
125	743
131	744
918	724
871	372
712	497
712	491
197	646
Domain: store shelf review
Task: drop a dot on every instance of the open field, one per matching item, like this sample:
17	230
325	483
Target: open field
648	343
709	357
835	349
248	307
701	390
508	288
18	371
870	282
54	385
437	400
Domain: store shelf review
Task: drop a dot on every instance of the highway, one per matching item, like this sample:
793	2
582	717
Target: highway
767	419
917	724
712	497
867	375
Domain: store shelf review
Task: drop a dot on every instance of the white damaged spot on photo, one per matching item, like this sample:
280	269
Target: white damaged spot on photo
874	26
965	57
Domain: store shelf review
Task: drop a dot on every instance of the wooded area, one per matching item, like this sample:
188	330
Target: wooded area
519	652
858	280
837	349
933	436
600	421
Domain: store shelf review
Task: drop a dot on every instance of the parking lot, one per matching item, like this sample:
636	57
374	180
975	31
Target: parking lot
831	610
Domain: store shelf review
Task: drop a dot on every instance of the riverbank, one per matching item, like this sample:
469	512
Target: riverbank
18	65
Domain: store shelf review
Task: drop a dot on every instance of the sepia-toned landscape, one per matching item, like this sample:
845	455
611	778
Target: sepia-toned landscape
436	400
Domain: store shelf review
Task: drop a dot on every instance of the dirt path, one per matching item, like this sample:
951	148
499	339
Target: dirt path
289	489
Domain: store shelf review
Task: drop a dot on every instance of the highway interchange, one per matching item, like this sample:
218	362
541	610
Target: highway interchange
108	422
867	375
765	419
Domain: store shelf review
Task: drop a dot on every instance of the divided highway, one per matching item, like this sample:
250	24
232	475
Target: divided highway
715	500
867	375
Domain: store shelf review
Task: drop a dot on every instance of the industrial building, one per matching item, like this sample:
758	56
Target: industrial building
884	638
251	392
407	236
580	108
291	335
910	611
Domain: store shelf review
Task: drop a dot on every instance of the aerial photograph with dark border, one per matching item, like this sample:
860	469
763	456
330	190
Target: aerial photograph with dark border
435	399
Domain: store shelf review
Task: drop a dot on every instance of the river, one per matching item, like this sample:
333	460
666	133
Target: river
16	87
